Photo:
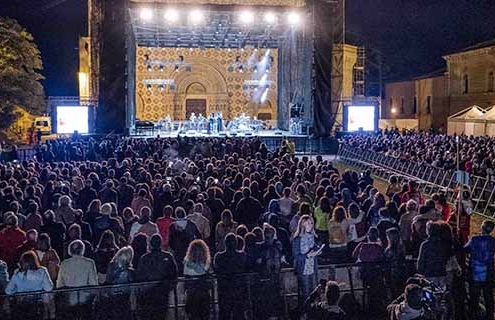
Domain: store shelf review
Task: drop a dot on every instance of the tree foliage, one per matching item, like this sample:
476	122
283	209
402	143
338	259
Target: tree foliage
20	64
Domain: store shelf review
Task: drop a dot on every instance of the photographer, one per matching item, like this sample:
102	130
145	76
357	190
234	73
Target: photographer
408	306
329	309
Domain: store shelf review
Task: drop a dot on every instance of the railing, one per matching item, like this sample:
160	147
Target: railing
147	300
431	179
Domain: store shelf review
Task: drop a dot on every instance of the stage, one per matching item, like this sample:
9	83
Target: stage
153	133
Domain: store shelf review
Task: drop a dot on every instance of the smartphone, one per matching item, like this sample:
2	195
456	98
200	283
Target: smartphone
168	179
198	179
215	181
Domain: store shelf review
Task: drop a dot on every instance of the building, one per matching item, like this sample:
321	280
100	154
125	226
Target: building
427	102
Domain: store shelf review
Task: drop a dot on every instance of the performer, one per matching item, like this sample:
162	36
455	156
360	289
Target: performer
219	120
201	123
192	121
168	123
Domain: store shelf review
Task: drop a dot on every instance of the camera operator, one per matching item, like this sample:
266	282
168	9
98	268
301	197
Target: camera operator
409	305
329	309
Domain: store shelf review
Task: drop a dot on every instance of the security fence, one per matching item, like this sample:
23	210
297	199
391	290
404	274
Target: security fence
258	296
431	179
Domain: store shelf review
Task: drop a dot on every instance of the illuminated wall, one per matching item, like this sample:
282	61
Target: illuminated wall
209	79
291	3
84	67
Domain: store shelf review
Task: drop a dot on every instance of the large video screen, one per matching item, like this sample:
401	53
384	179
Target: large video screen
72	118
361	118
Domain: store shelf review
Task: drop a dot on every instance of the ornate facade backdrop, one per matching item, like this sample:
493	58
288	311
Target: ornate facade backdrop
208	79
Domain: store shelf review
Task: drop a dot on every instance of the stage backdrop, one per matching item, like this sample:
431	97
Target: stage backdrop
208	87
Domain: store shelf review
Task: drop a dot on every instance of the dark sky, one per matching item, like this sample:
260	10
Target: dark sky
412	34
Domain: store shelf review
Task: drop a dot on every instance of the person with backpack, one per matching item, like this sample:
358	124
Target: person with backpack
481	250
182	233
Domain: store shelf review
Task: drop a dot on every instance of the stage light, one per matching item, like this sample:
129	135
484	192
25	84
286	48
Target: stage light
264	96
162	87
393	110
171	15
146	57
176	68
270	18
149	67
149	86
146	14
293	18
247	17
196	16
162	68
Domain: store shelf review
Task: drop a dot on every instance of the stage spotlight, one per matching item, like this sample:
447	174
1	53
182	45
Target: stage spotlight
146	57
270	18
393	110
149	86
293	18
171	15
162	68
176	68
149	67
146	14
264	96
247	17
241	69
196	16
162	87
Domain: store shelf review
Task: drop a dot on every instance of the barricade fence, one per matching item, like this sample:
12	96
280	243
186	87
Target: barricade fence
255	294
431	179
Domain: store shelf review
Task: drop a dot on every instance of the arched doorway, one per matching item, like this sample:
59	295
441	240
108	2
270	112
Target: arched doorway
196	99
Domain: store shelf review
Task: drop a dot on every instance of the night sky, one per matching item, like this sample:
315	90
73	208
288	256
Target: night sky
412	35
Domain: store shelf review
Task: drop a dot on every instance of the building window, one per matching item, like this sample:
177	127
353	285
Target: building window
490	82
415	105
402	109
428	105
465	80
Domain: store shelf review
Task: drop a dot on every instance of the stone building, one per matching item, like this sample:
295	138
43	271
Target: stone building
427	102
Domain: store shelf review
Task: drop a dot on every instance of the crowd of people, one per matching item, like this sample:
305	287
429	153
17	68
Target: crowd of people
476	153
124	210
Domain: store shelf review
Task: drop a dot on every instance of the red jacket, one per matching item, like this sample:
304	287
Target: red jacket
10	239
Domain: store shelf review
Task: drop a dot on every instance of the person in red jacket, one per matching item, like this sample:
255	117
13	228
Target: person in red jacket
11	237
412	194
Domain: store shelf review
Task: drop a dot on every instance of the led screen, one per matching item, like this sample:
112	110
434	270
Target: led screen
361	117
70	119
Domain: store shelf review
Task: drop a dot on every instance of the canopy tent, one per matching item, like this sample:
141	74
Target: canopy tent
489	118
468	121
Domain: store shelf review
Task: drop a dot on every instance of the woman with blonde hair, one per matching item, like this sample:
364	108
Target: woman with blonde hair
120	271
65	213
197	264
93	211
338	230
305	252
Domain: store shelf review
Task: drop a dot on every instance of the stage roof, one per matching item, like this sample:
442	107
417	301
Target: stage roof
287	3
221	27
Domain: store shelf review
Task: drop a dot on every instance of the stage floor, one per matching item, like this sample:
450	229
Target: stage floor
152	133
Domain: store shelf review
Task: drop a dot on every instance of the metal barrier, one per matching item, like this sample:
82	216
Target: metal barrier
149	300
431	179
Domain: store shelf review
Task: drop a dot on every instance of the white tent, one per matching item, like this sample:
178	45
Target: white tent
468	121
489	118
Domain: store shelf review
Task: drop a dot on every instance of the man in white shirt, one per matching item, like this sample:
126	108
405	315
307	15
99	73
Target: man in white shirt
200	221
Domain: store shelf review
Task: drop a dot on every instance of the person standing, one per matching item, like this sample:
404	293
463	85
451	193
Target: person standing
228	265
156	265
481	250
305	253
11	237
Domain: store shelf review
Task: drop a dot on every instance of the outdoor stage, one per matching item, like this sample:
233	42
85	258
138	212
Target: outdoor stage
151	133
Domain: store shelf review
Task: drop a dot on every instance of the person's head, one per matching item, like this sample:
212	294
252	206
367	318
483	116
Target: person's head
353	210
227	217
44	242
246	192
384	212
304	209
94	205
180	213
305	225
393	237
332	293
49	215
198	252
373	234
325	205
168	211
241	230
259	234
433	229
32	235
64	201
338	214
106	209
487	227
145	212
76	248
430	204
198	208
269	233
414	296
156	242
230	242
10	220
412	205
123	257
107	240
29	261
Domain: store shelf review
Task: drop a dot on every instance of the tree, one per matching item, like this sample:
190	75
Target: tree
20	63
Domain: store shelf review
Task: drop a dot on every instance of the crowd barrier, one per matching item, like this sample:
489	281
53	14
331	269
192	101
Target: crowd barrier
431	179
149	300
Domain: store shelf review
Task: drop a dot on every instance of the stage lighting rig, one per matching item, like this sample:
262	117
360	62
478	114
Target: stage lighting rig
293	18
196	16
171	15
270	18
247	17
